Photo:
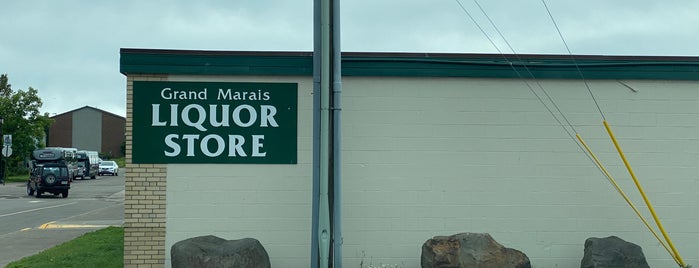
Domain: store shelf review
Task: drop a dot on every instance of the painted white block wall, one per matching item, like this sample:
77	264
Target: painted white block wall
426	157
271	203
438	156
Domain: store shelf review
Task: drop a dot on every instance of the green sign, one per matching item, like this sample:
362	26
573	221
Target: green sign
214	122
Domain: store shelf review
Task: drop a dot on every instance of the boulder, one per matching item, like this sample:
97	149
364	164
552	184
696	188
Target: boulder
612	252
470	250
211	251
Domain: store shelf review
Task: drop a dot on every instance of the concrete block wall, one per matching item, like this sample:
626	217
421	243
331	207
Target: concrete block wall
438	156
271	203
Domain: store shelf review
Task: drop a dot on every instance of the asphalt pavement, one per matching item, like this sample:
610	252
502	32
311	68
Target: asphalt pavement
85	210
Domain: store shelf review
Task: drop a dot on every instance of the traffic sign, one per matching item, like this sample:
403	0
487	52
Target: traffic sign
7	140
6	151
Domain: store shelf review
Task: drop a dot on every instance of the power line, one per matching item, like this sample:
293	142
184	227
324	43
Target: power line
577	67
517	72
579	140
525	66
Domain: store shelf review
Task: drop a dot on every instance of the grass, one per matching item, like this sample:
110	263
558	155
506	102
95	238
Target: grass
102	248
17	178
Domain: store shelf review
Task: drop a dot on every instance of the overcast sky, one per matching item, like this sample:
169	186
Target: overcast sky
69	50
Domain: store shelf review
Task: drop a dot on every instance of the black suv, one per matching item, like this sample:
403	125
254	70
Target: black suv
49	178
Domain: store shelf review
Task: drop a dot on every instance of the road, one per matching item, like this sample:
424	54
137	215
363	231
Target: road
29	225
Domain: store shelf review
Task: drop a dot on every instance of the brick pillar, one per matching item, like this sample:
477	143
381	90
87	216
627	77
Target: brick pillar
144	207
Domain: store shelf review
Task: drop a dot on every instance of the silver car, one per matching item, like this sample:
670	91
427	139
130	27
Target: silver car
108	167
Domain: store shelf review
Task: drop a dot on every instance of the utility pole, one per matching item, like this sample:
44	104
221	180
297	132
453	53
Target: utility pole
326	237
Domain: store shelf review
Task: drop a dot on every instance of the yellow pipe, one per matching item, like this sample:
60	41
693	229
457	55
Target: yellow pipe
643	194
626	198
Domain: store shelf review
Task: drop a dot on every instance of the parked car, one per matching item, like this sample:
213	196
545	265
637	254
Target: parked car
109	167
49	178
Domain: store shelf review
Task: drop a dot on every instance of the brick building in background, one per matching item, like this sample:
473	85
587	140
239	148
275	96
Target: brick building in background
88	128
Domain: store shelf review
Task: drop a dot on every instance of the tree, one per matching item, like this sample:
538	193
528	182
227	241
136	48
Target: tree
22	119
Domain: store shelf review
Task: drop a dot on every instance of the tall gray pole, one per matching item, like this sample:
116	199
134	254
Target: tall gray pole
315	245
326	245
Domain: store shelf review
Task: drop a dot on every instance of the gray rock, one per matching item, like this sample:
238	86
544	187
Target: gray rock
612	252
214	252
470	250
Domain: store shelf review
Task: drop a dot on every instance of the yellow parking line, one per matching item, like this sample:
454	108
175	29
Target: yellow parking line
53	225
46	225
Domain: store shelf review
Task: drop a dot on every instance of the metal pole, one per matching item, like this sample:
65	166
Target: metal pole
315	246
326	238
324	228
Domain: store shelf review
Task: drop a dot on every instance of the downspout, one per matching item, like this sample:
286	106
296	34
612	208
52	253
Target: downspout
316	135
337	137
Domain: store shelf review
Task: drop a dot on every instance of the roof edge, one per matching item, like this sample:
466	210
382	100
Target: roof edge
285	63
88	107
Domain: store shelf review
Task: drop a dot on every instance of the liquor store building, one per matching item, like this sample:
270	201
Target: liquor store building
220	143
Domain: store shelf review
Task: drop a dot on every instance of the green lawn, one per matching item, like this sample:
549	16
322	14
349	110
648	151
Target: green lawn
17	178
102	248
